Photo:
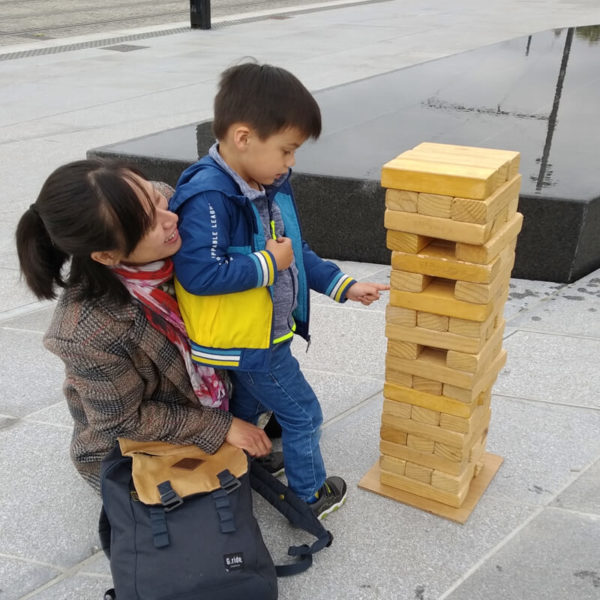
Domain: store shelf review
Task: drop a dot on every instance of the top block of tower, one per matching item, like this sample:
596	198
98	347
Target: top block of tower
462	171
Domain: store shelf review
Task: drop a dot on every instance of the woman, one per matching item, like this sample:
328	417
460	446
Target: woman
104	234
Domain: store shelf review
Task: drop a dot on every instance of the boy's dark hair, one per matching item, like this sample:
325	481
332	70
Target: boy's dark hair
267	98
83	207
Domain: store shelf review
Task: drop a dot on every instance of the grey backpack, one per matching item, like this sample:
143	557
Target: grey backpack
165	543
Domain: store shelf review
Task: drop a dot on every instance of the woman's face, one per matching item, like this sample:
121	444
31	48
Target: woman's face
162	239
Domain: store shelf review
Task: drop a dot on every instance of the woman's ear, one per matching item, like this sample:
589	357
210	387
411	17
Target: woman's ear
110	258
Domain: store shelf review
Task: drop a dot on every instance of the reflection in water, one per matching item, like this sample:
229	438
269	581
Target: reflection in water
496	112
537	94
590	33
544	175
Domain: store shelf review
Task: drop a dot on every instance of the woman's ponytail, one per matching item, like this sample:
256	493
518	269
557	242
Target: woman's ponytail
83	207
41	261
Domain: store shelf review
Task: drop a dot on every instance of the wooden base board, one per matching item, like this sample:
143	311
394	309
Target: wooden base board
491	464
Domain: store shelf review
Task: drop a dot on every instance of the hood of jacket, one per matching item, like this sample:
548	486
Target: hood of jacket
214	179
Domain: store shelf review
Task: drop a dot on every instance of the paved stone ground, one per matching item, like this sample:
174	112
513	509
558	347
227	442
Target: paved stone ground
26	20
535	533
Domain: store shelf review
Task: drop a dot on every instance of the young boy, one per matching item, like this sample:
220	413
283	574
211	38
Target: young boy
244	272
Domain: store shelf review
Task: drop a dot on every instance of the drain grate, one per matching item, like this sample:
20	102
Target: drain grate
124	48
91	44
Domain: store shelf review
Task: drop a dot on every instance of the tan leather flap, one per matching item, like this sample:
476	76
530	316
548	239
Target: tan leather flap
189	469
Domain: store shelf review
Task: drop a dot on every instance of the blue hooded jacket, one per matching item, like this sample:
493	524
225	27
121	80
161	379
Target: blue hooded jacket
224	272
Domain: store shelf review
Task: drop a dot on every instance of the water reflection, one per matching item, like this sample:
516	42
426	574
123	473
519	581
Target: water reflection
544	177
537	94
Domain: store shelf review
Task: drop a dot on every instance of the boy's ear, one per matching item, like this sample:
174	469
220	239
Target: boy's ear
241	136
110	258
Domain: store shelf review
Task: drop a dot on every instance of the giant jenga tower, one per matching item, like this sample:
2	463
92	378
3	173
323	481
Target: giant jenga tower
452	225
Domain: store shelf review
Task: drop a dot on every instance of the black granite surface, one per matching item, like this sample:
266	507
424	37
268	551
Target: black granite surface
538	95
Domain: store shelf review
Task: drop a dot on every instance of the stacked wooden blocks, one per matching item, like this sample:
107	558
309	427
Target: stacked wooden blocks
452	224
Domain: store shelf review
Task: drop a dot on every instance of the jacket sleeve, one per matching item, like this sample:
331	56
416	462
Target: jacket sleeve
325	276
207	263
112	394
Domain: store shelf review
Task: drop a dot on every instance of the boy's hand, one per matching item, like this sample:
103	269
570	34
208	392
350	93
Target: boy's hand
248	437
365	292
281	249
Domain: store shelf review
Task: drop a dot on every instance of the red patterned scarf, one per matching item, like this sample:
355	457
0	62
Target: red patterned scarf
144	283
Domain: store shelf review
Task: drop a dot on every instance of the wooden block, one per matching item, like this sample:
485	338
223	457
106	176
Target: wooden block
439	178
396	315
396	349
434	205
473	363
437	434
451	454
438	403
483	293
418	472
475	159
397	409
421	489
478	449
431	363
438	298
479	330
427	385
401	200
486	252
409	282
371	481
485	211
392	435
437	227
438	339
452	483
406	242
425	415
392	464
486	380
398	378
427	459
464	425
438	260
431	321
420	444
510	156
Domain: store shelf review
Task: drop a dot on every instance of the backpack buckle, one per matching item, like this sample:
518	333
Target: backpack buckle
169	498
228	482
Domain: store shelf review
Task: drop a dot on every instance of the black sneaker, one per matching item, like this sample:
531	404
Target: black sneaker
273	463
332	495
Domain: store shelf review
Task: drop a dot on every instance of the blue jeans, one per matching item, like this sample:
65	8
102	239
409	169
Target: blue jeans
284	390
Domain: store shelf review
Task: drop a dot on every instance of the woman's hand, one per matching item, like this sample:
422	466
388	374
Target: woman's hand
248	437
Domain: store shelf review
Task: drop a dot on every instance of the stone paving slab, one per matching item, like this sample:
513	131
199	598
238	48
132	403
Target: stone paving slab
569	542
543	366
584	494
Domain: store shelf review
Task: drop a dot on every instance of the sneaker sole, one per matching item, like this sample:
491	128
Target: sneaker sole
333	508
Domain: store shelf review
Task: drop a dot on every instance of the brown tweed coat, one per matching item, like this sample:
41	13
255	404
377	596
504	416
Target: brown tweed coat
124	378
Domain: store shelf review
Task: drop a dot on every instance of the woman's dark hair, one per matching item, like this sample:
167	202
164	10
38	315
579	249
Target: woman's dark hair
267	98
83	207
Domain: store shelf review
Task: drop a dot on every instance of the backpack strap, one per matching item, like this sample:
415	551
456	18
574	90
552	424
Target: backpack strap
298	513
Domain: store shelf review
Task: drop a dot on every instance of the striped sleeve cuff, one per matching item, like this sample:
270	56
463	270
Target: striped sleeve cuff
338	287
265	268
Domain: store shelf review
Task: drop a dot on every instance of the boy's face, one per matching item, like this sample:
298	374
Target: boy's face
264	161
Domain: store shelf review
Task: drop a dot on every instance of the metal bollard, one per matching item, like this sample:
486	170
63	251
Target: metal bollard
200	14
